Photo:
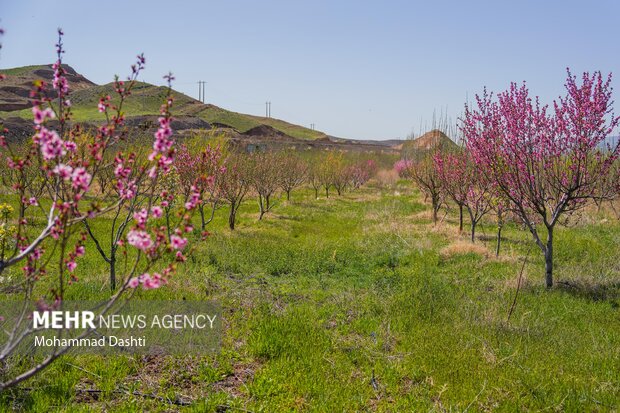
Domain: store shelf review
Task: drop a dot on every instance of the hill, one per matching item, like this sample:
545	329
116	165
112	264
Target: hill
144	101
430	140
15	88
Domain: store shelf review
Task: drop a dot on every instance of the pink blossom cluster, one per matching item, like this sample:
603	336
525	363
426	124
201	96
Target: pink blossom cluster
147	281
139	239
361	172
402	167
125	184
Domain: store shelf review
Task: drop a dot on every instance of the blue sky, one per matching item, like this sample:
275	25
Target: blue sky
356	69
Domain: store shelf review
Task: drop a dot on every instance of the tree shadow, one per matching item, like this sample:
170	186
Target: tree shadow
505	240
592	290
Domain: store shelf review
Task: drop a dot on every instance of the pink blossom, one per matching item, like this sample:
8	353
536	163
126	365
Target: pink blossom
149	283
133	283
162	143
177	242
51	144
140	217
37	253
63	171
402	166
70	146
81	179
139	239
194	199
156	211
41	115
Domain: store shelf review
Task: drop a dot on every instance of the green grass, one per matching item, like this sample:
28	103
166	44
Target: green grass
23	70
353	304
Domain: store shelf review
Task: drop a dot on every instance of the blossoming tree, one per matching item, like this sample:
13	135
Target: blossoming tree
68	162
547	163
466	186
203	171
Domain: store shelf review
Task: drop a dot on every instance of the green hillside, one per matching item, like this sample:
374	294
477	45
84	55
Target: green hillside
146	99
23	70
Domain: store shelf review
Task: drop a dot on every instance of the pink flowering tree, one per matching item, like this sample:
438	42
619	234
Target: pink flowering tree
204	172
454	174
547	163
49	236
402	167
467	188
128	185
360	172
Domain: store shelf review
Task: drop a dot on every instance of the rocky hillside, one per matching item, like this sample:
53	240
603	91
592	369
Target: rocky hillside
15	88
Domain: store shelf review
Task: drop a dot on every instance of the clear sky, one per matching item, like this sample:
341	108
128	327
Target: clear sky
356	69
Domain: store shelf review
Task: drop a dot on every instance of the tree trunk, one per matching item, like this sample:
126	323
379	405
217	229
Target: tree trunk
201	209
261	208
168	222
549	258
232	217
473	225
316	193
460	218
327	192
499	240
113	270
288	195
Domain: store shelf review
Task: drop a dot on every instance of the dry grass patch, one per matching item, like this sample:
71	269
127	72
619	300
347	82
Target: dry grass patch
386	178
463	248
422	215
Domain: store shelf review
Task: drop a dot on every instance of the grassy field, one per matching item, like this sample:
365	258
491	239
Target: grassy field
359	303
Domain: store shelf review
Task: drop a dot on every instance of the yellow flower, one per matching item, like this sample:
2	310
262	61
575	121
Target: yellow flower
6	210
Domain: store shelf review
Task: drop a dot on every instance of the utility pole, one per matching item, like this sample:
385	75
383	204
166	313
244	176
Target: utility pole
201	91
270	109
